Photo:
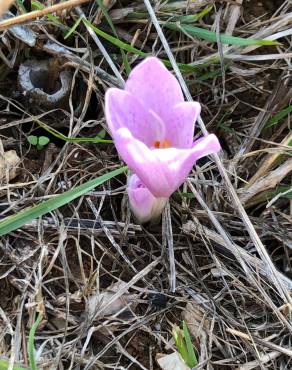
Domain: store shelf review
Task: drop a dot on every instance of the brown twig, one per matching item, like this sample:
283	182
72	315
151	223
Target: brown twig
39	13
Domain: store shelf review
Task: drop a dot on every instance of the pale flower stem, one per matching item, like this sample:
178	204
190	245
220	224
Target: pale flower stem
248	224
168	242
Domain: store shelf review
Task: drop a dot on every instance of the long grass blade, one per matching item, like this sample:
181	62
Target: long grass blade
115	41
36	5
192	17
211	36
14	222
73	28
279	116
124	46
109	20
61	136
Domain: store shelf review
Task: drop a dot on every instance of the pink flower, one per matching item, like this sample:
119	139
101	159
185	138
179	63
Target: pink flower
144	205
153	127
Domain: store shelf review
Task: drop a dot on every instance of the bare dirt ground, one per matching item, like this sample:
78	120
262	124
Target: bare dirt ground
104	287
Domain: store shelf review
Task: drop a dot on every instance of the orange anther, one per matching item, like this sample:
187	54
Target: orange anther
162	145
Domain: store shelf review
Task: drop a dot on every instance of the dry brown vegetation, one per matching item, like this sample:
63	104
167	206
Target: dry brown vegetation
109	290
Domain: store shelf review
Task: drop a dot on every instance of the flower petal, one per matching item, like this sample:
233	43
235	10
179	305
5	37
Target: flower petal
144	205
122	109
205	146
162	170
181	123
178	163
143	162
155	87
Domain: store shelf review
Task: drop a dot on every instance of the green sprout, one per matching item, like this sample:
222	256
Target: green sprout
31	339
38	141
4	364
184	345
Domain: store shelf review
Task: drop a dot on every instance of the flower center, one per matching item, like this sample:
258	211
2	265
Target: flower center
162	144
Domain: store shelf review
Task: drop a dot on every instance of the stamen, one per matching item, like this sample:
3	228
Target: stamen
162	145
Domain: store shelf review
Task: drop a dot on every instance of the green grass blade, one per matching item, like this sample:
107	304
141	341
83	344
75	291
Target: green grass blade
14	222
36	5
115	41
186	195
109	21
283	190
192	358
4	365
287	195
73	28
279	116
209	75
57	134
31	349
192	17
124	46
211	36
23	11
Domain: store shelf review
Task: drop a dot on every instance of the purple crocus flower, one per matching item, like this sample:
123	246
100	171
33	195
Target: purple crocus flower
153	127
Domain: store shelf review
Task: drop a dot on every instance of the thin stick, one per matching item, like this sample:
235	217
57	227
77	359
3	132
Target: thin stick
39	13
263	342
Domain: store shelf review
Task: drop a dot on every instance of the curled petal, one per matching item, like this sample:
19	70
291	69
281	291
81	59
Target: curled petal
155	87
178	163
144	205
122	109
162	170
181	123
143	161
205	146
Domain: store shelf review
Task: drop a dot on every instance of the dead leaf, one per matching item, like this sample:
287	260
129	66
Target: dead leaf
8	165
269	181
122	304
195	320
171	362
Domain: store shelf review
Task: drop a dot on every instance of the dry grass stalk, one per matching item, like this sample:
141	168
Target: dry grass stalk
269	181
270	161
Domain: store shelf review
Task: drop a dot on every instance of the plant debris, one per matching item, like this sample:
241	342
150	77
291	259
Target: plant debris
110	290
9	162
171	362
